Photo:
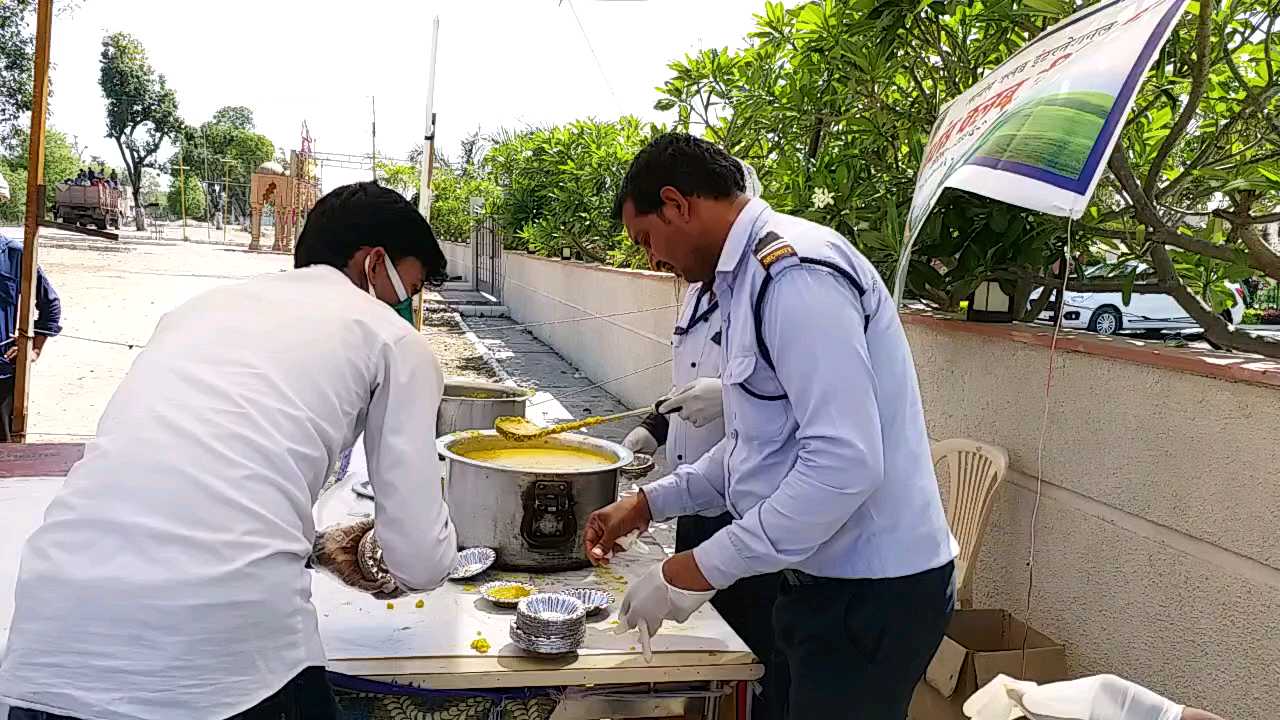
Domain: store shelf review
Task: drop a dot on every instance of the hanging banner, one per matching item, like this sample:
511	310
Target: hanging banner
1037	131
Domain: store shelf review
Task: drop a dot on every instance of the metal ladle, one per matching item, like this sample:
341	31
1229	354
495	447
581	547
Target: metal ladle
518	429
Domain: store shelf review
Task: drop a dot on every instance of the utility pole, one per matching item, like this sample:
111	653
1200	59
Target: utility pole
182	184
226	195
428	156
373	106
429	137
25	335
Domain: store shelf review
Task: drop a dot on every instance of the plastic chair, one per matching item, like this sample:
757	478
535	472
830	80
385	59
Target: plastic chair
974	472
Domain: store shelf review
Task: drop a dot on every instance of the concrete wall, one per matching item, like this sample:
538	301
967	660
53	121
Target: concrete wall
1157	550
461	260
539	290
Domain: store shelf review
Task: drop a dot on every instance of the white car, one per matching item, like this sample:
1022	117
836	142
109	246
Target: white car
4	189
1106	313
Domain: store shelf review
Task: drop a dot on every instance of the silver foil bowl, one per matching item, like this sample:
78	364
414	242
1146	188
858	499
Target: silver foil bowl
471	562
370	557
593	599
640	466
546	646
551	616
488	592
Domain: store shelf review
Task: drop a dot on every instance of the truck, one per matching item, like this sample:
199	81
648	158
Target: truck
101	206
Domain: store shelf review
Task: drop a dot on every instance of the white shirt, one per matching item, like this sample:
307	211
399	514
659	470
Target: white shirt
168	578
695	353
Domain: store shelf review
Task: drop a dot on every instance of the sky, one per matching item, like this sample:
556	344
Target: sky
502	63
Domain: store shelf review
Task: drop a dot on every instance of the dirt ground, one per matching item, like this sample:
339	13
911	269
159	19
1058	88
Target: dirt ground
118	291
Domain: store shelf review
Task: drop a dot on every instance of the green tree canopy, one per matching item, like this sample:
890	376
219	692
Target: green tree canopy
399	177
833	103
142	111
60	162
193	189
224	147
558	184
17	62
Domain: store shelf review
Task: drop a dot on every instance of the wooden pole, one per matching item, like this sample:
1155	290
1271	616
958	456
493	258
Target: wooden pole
31	229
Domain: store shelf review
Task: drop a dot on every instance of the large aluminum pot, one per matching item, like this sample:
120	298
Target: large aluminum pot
474	405
535	520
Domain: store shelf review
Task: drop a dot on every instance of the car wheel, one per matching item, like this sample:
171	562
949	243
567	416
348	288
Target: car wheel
1106	321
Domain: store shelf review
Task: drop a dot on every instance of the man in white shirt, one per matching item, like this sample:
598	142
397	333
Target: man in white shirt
168	579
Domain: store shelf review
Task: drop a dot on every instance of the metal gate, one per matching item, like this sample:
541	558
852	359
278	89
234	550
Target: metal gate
486	244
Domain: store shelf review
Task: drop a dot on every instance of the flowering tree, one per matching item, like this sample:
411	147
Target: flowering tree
833	102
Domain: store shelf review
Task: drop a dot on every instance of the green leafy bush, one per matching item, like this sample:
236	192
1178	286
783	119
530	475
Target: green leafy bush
556	185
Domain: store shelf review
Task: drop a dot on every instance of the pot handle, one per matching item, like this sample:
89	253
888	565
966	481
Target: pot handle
548	521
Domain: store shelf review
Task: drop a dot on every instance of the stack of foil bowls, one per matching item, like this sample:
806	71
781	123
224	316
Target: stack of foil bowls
549	624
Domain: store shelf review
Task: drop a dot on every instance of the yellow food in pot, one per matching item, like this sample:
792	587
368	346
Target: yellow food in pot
541	459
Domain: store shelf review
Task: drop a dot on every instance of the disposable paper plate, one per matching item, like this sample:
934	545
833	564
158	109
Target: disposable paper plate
593	599
640	465
551	616
490	592
545	646
552	607
471	562
370	557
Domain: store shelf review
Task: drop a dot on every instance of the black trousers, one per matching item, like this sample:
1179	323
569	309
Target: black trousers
308	696
747	605
855	648
6	409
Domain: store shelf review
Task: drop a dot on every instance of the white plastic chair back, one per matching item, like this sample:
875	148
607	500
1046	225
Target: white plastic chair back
974	471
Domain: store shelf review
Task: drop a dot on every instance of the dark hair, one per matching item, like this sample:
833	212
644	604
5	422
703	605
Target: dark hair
691	165
366	214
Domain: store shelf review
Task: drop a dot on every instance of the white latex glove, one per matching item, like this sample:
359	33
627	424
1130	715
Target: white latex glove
640	440
1101	697
994	702
699	403
651	600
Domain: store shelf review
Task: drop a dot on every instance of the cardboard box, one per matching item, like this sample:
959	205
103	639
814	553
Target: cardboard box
979	645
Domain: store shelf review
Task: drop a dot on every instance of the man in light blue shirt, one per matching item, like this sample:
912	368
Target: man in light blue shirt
825	466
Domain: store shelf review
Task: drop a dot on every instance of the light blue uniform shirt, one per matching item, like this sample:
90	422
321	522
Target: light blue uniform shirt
833	478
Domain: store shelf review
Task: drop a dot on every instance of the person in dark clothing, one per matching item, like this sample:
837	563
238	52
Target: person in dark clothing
48	323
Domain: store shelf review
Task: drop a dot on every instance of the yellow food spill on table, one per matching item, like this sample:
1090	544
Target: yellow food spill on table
547	459
509	592
420	603
391	606
480	645
468	588
610	580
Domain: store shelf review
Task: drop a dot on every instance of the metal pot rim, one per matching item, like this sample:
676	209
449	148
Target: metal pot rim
509	392
624	456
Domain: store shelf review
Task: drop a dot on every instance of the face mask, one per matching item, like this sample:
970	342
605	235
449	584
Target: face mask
403	308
